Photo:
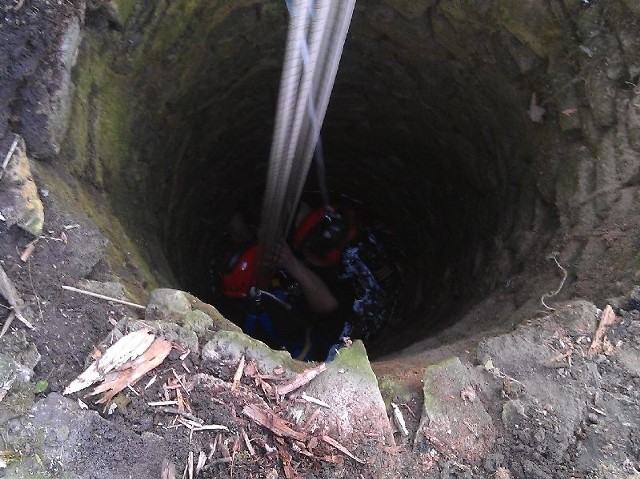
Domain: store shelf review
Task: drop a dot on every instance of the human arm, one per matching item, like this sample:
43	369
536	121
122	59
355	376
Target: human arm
316	292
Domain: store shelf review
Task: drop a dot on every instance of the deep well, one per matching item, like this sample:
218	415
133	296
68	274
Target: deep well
486	134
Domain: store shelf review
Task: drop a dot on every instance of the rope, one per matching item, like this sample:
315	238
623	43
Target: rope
317	32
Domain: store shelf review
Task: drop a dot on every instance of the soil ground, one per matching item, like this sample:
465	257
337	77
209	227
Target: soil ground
557	411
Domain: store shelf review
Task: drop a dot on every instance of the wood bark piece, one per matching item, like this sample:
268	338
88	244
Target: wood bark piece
125	349
285	457
10	293
608	318
300	380
273	422
131	372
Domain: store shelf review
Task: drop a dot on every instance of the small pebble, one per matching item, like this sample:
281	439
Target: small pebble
593	418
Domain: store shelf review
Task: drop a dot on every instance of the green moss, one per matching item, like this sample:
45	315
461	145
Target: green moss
392	390
431	373
124	9
356	360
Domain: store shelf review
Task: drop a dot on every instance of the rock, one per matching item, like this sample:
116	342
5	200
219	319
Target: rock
168	305
197	321
231	345
19	201
219	321
61	433
16	392
453	426
108	288
513	413
630	360
45	115
411	9
169	330
17	360
350	387
16	347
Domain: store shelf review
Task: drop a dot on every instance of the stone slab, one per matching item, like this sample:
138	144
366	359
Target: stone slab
454	426
350	387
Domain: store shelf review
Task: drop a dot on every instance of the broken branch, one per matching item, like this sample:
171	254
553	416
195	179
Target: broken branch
10	293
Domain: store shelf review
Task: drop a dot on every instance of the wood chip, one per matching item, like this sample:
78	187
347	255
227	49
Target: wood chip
598	344
122	351
309	423
314	400
131	372
28	251
399	419
285	457
202	460
273	422
247	443
300	380
332	442
238	375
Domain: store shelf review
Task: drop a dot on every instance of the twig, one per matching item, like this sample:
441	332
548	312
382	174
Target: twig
551	294
102	296
162	403
210	427
9	155
180	381
188	415
7	323
247	442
